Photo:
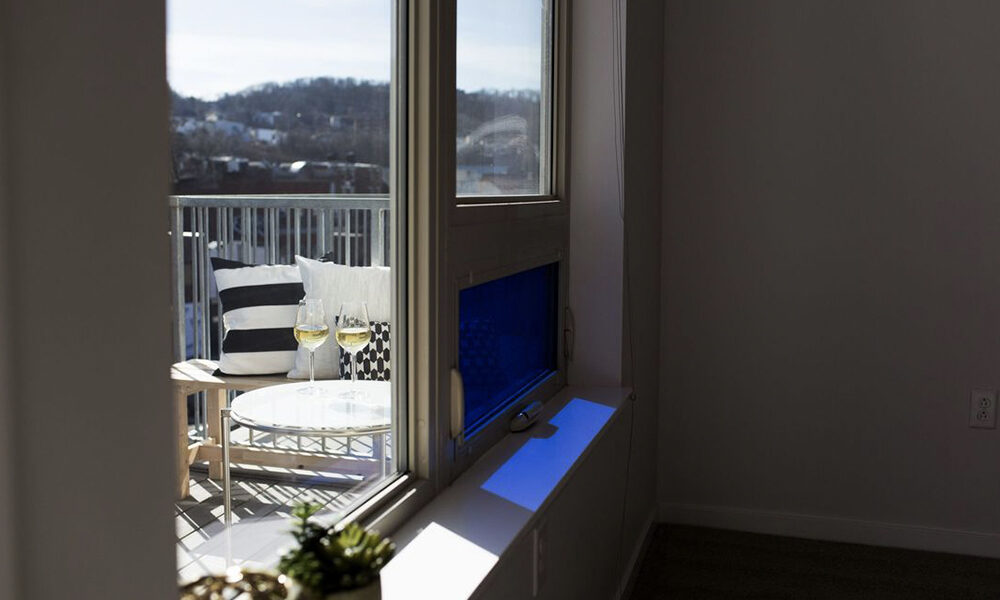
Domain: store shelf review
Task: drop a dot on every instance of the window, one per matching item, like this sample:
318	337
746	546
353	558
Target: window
285	129
294	132
507	340
503	76
507	231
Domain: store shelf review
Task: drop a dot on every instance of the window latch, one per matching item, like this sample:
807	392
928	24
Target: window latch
526	417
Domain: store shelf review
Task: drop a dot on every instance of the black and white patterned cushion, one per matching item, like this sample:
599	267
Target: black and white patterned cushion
373	361
258	305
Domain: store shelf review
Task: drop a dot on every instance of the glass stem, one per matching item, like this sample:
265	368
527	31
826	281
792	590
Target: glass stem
311	372
354	367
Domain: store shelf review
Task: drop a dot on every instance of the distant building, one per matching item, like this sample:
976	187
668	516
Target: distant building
272	137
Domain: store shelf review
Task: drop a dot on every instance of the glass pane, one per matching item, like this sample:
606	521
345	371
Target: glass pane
281	238
279	97
506	340
503	77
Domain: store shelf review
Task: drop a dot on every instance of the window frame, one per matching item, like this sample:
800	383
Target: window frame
550	125
436	220
374	496
492	236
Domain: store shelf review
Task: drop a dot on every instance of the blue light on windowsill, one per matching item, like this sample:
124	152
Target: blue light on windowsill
529	476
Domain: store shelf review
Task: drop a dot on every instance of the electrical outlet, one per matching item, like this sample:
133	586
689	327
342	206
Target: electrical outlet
983	409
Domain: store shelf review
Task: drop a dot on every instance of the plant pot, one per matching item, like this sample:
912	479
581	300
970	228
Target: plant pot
372	591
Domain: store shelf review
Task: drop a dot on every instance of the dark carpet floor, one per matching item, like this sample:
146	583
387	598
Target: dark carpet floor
695	563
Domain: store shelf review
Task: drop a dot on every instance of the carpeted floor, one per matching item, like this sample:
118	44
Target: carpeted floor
696	563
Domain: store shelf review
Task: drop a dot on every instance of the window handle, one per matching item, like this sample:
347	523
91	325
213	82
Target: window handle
526	417
457	406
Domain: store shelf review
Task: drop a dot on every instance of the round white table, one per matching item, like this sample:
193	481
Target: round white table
292	409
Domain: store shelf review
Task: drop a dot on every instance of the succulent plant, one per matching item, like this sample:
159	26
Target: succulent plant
329	560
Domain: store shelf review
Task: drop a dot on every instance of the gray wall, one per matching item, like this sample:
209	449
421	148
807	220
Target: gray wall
831	246
84	271
643	78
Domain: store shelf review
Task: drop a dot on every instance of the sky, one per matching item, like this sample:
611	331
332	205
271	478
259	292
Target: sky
223	46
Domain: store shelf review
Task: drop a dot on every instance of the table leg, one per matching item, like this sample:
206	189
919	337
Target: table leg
227	494
379	451
215	403
385	455
181	426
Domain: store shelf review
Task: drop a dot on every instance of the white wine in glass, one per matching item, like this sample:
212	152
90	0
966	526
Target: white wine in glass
311	331
353	332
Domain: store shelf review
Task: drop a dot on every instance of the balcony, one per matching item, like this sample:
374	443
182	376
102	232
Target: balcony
258	229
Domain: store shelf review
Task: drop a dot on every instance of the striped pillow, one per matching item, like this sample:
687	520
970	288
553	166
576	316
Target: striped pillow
258	305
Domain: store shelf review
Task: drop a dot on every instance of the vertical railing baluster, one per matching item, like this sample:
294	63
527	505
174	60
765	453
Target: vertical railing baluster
195	313
347	237
206	324
268	235
220	245
230	233
195	283
244	233
272	217
321	232
206	288
296	214
177	266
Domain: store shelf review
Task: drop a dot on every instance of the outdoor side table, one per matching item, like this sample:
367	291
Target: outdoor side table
285	409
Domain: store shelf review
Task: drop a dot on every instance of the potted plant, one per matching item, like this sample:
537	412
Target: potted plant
331	563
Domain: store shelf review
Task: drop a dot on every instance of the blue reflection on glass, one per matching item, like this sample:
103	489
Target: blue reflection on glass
529	476
506	339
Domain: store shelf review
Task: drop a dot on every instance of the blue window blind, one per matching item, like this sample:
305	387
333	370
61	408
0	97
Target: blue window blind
507	339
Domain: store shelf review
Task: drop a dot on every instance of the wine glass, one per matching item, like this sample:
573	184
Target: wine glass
311	331
353	333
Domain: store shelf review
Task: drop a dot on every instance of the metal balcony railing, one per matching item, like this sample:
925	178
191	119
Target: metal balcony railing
348	229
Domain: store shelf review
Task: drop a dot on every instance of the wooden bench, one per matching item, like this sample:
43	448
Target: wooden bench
194	376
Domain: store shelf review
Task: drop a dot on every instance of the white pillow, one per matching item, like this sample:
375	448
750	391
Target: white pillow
335	284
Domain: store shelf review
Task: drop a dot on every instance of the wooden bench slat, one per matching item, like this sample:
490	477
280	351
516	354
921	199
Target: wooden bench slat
197	375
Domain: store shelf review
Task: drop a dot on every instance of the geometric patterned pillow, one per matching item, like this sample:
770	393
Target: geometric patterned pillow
373	360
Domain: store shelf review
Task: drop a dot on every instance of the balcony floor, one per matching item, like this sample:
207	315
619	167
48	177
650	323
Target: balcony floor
262	500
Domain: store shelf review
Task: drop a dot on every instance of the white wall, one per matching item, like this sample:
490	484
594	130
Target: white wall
830	288
85	273
7	589
643	78
595	282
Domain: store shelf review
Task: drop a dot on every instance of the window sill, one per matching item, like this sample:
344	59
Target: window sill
450	548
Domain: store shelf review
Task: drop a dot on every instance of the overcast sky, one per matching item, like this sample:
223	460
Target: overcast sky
220	46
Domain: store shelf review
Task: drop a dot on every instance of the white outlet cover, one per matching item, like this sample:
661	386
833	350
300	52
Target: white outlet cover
983	409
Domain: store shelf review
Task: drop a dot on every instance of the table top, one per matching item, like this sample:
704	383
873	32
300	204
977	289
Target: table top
288	409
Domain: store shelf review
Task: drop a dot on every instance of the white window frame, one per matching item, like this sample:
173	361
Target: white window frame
453	242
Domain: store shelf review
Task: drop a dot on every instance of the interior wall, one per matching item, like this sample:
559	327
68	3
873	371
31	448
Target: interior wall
598	296
643	79
831	245
595	240
7	522
86	277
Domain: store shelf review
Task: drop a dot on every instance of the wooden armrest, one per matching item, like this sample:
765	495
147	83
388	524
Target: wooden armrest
197	375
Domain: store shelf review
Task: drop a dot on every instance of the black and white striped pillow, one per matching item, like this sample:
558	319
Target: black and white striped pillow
258	304
373	360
